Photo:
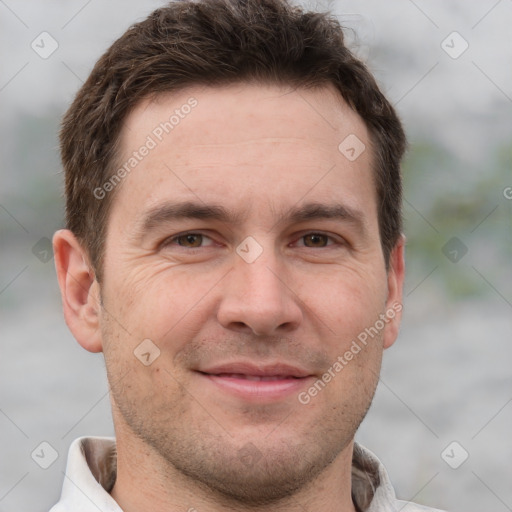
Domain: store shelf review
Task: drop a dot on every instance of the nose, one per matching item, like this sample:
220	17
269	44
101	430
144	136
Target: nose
258	300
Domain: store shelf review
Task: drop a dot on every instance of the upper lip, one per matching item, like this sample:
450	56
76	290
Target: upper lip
261	370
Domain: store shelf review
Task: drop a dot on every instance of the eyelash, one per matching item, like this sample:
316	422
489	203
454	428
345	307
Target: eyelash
330	239
173	239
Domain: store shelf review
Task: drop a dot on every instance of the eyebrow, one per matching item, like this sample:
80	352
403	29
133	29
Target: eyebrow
313	211
186	210
169	212
321	211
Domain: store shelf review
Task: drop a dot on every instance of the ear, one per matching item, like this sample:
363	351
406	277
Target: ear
79	289
394	306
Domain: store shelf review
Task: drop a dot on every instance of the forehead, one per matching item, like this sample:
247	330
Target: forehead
245	144
234	113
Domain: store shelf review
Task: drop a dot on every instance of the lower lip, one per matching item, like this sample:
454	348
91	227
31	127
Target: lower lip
258	389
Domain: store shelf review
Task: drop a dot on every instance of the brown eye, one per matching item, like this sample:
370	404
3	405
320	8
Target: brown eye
190	240
316	240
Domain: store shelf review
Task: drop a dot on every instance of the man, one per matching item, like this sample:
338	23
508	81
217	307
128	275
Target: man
234	249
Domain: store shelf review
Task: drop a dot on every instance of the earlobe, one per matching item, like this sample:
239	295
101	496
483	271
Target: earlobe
394	303
79	289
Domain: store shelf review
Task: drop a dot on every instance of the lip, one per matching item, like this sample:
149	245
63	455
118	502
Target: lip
268	382
261	370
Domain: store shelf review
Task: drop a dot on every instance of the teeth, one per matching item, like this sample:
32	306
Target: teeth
256	377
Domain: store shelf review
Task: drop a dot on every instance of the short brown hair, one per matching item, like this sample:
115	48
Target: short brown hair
217	42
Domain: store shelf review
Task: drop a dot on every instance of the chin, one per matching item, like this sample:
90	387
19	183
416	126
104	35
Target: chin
251	475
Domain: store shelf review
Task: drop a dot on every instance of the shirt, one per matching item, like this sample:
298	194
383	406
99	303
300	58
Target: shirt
91	473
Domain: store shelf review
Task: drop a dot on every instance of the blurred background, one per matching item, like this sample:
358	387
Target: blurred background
442	416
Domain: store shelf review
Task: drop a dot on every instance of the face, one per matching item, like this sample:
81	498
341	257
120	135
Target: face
243	247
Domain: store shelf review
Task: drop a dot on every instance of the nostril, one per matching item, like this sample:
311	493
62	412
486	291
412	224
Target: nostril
240	326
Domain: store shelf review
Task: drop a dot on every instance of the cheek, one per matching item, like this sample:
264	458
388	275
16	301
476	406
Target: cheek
160	302
346	301
137	363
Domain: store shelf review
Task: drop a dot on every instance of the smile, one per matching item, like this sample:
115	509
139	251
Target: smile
256	383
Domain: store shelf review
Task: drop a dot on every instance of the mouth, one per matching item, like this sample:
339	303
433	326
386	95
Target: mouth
257	383
260	378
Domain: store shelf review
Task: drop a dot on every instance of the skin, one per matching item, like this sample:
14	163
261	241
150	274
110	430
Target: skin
260	152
